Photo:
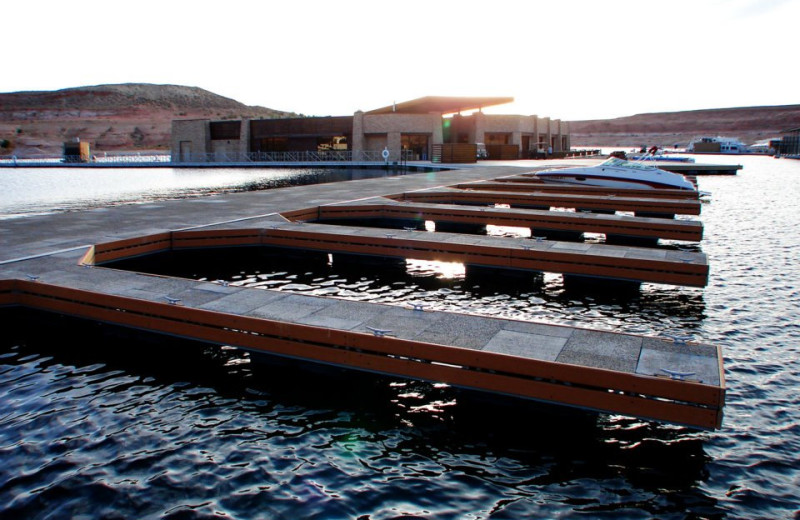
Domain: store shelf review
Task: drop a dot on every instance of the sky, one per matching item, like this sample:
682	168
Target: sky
566	59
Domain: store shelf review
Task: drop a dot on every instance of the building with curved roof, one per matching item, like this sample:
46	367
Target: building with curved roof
416	130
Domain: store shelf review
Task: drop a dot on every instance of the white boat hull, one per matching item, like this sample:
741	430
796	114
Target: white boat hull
616	173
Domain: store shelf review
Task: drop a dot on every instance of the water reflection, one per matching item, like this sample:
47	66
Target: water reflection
212	426
28	191
649	309
103	430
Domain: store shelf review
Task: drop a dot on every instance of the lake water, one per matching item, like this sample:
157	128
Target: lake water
29	191
100	432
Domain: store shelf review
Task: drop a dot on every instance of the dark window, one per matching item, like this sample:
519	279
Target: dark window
416	145
225	130
497	138
307	127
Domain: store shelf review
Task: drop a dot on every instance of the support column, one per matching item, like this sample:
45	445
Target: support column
395	144
557	146
244	139
460	227
437	132
297	256
557	234
480	127
358	139
588	284
549	135
516	138
650	214
345	260
514	279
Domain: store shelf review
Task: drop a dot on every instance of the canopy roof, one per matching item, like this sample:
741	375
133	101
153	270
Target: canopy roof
441	105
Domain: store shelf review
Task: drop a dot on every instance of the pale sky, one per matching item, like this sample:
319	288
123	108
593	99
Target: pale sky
566	59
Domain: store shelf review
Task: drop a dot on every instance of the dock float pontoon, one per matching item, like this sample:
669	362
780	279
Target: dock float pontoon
403	215
533	184
655	378
538	200
631	264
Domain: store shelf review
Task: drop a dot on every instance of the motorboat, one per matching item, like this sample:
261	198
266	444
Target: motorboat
618	173
717	145
660	157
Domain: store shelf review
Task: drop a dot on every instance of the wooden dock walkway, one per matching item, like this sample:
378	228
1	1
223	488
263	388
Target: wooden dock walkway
623	263
55	264
401	215
527	183
541	200
653	378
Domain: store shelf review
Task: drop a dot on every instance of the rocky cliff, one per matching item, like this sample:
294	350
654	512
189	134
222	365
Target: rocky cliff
131	117
667	129
126	117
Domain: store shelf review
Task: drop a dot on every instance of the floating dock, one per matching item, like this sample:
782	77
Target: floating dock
65	264
392	214
533	199
623	263
699	168
528	183
602	371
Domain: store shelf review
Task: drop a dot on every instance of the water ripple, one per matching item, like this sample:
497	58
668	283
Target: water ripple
95	432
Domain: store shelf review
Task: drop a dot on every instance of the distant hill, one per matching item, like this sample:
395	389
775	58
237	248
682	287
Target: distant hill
666	129
130	117
138	116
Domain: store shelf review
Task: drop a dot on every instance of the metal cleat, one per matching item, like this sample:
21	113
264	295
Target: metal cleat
379	332
679	376
678	339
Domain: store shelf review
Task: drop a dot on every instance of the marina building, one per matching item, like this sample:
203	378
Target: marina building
790	142
429	128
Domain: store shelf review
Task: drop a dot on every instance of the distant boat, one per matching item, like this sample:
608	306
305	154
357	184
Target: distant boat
618	173
660	157
717	145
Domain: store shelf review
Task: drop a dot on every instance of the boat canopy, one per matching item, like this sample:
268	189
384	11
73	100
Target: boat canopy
621	163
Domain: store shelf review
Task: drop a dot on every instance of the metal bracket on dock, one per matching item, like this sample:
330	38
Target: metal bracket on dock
390	235
678	339
540	239
680	376
380	332
172	301
418	306
32	277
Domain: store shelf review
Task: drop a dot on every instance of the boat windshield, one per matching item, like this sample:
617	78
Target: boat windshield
620	163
